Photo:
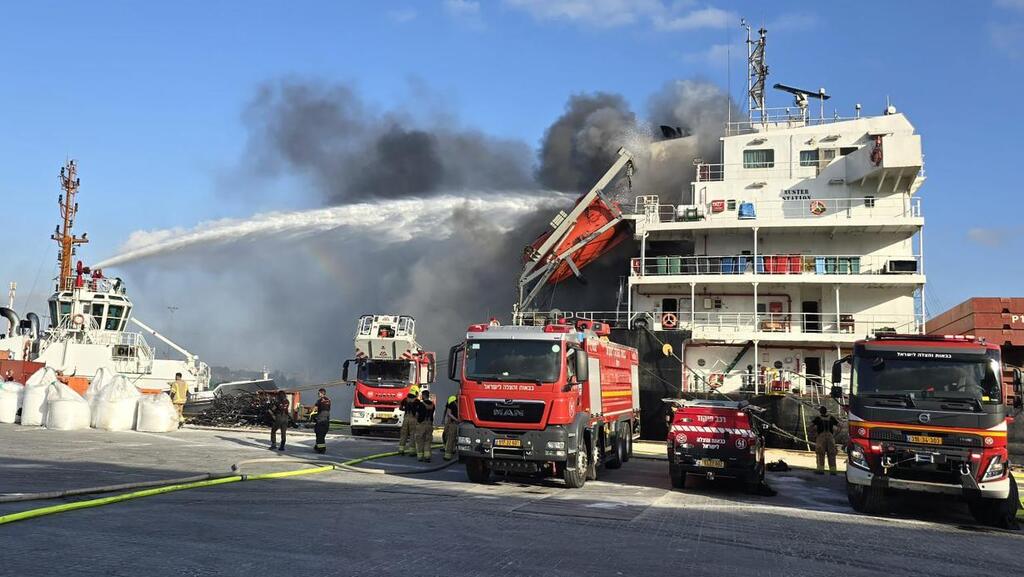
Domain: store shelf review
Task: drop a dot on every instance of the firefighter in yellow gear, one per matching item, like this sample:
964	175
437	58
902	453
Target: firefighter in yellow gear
424	426
451	427
179	396
407	433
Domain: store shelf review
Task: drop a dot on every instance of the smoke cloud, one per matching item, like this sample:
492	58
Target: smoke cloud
419	216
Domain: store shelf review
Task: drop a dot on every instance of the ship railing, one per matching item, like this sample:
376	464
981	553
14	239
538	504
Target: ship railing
782	117
764	380
101	285
716	324
774	169
824	210
776	264
614	319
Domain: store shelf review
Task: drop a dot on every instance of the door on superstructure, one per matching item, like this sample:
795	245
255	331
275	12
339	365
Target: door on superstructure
812	316
813	373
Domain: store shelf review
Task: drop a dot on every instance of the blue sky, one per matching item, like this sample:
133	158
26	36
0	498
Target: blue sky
148	97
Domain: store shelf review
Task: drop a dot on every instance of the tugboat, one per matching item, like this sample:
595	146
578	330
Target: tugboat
89	316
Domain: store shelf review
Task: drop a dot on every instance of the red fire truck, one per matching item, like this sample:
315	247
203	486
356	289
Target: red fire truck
927	414
388	362
558	400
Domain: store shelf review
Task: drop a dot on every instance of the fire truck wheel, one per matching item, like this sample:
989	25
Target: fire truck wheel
478	471
627	431
595	458
678	477
868	500
618	455
1000	513
576	478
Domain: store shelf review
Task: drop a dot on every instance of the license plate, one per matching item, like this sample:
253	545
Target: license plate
924	439
508	443
924	458
711	463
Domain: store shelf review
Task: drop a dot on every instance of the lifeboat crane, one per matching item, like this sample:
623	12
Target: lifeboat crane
589	230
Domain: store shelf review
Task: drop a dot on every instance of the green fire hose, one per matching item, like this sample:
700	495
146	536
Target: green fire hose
235	477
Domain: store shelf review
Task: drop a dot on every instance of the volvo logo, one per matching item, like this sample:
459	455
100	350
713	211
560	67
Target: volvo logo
925	418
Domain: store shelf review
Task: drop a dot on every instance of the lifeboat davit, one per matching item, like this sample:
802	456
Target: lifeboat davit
593	217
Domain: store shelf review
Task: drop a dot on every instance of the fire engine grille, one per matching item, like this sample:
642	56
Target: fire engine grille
948	439
509	410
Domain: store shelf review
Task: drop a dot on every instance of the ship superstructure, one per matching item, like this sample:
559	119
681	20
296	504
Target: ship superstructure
805	237
89	316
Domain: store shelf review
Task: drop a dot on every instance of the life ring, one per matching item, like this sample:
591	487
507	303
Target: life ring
78	320
818	207
716	380
669	320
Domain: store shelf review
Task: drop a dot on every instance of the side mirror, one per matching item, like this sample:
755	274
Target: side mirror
1018	390
431	370
837	372
453	361
582	366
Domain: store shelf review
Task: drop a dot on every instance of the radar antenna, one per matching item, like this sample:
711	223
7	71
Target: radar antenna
800	97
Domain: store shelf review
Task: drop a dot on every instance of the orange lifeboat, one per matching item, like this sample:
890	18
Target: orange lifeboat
595	216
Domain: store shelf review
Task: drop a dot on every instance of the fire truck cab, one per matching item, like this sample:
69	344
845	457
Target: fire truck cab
388	362
928	414
559	400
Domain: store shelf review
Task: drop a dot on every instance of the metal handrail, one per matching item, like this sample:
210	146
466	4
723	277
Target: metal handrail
770	264
823	209
717	323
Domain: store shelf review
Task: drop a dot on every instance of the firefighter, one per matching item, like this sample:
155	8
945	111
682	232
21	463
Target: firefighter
279	409
322	417
407	434
179	395
451	427
424	426
824	441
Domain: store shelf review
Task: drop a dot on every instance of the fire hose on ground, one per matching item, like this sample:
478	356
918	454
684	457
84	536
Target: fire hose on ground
152	488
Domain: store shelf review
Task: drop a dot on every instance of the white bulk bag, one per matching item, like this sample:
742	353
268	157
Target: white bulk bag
100	381
113	409
156	414
10	401
66	410
33	403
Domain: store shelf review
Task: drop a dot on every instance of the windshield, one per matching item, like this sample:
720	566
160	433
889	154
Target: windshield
387	373
950	379
508	360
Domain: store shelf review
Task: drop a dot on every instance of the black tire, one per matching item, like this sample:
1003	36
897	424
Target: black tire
1000	513
478	470
678	477
577	477
618	456
627	430
595	458
865	499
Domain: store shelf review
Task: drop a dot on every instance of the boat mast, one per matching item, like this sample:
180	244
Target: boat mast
64	236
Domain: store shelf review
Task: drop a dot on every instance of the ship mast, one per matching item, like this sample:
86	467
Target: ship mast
64	236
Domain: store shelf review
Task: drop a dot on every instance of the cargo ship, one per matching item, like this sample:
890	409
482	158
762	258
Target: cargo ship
804	237
89	316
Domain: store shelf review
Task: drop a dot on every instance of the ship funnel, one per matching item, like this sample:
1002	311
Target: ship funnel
12	319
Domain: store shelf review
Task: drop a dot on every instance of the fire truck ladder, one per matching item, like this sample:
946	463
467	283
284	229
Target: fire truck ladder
544	262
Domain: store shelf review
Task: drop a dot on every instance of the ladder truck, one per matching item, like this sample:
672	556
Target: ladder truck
388	363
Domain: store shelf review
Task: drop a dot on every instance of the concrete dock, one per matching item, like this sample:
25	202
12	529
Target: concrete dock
629	522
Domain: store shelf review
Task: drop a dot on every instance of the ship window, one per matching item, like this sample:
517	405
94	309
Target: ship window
65	309
114	314
809	157
97	310
759	158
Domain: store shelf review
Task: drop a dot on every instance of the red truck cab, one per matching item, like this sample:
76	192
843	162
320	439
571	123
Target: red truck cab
558	400
715	439
927	414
